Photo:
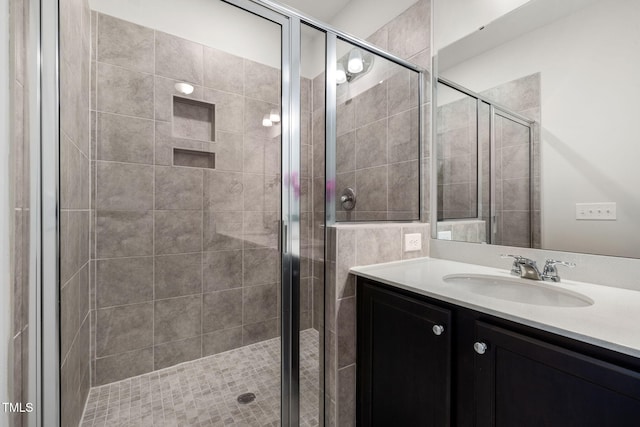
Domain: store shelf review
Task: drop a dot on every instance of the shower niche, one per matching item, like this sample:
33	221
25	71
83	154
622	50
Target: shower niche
193	119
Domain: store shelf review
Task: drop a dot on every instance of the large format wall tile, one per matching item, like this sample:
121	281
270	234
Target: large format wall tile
125	44
124	328
371	105
372	189
261	82
223	191
229	110
124	234
178	188
222	340
177	318
222	310
371	145
229	151
222	270
259	303
178	58
178	232
403	90
124	186
178	275
261	155
123	365
223	71
257	332
124	139
403	183
172	353
124	91
403	134
409	33
260	266
124	281
222	231
254	112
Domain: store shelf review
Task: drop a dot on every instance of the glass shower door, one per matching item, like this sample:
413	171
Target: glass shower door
180	215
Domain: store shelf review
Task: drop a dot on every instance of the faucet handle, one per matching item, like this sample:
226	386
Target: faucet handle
516	269
550	271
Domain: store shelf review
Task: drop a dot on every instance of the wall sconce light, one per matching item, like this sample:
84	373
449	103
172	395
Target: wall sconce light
341	74
184	88
266	121
355	64
274	116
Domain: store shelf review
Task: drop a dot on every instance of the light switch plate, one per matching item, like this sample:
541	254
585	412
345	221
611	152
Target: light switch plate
412	242
596	211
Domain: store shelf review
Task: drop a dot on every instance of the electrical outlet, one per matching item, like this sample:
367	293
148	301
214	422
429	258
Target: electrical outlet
596	211
412	242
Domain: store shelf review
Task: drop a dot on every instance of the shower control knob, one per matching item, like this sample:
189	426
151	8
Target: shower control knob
348	199
438	329
480	347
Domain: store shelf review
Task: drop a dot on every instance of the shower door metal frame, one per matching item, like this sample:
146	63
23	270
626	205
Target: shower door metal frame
495	109
290	207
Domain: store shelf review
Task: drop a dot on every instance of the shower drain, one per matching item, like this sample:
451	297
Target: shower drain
245	398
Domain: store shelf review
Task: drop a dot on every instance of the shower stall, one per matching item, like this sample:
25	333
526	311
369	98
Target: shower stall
192	159
488	166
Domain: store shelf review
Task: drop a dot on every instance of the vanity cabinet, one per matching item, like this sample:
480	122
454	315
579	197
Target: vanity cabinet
481	370
405	360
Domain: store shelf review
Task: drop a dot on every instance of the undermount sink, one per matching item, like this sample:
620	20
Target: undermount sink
518	290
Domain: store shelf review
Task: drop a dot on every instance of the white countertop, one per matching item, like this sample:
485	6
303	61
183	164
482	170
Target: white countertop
612	322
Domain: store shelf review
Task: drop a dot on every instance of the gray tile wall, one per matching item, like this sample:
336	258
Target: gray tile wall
407	36
457	140
351	245
459	136
378	148
19	149
75	155
512	168
186	259
378	130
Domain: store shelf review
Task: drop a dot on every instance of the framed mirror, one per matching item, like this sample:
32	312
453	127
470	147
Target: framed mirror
535	135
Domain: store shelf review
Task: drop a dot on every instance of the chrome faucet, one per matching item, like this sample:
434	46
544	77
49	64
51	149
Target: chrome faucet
528	269
550	271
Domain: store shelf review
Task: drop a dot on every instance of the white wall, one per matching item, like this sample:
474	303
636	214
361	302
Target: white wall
463	17
5	210
590	68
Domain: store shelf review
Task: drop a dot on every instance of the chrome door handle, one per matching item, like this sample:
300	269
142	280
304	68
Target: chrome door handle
438	329
480	347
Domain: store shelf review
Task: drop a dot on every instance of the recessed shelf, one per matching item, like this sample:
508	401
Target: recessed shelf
194	159
193	119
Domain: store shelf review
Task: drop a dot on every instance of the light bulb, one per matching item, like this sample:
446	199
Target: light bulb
266	121
274	116
356	64
341	75
184	88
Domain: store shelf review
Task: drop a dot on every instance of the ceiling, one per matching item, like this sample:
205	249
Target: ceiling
324	10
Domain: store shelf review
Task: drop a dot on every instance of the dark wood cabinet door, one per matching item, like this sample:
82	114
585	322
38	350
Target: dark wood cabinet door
521	381
403	365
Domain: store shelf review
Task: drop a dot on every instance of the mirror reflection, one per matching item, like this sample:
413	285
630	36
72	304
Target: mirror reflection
535	134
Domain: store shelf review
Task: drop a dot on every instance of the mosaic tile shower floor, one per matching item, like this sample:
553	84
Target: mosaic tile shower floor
203	392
